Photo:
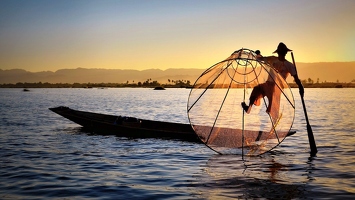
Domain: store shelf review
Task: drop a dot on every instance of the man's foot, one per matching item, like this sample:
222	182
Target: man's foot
246	108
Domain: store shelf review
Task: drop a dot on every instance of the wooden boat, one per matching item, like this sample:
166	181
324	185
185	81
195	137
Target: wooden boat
141	128
128	126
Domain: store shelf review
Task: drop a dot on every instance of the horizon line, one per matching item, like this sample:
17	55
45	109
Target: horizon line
150	68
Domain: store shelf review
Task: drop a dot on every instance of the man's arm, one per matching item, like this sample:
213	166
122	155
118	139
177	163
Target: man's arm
268	59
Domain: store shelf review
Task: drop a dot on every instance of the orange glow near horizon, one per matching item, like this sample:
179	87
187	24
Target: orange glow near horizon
169	34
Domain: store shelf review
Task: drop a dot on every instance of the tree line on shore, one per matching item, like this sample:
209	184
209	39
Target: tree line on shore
149	83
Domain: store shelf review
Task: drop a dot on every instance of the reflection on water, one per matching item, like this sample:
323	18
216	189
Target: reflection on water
45	156
255	178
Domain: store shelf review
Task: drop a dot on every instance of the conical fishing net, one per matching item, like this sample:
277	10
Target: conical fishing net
215	111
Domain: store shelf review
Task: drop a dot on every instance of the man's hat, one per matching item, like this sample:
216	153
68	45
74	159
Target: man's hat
282	48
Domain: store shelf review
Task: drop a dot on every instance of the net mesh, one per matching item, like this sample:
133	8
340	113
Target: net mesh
215	111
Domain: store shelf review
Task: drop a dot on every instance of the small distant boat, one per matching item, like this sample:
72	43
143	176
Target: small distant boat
26	90
159	88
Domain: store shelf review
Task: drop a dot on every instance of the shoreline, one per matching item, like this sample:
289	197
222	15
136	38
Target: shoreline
179	85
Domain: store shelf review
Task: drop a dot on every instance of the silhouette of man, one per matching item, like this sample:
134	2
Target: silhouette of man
269	88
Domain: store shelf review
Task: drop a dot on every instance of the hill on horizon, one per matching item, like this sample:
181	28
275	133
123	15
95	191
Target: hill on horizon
84	75
324	72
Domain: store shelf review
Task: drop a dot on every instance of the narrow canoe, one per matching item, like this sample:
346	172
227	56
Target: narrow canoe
141	128
127	126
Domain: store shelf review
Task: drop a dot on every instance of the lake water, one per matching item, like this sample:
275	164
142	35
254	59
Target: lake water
45	156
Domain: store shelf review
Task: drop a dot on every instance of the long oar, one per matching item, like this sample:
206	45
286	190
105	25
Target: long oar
312	143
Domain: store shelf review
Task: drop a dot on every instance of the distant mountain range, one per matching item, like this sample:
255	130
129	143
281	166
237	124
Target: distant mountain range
324	72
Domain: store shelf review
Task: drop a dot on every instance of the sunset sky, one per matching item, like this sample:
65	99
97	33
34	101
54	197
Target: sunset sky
41	35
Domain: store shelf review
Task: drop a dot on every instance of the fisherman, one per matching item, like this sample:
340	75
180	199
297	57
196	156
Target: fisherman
269	88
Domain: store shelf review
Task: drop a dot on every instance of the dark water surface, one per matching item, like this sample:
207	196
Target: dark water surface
44	156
